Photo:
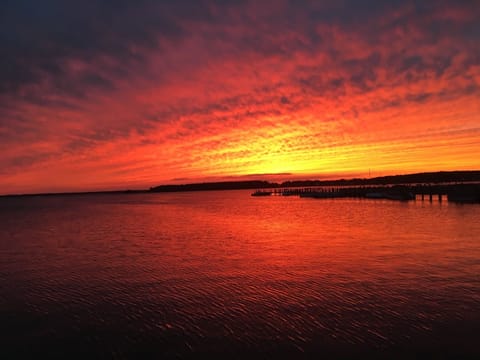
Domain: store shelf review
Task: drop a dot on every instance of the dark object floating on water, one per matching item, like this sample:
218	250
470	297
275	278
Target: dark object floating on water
375	195
401	196
262	193
390	195
466	193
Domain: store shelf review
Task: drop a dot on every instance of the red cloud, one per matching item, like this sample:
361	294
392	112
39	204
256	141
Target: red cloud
254	91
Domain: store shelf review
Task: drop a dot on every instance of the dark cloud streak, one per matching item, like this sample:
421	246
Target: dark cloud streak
38	37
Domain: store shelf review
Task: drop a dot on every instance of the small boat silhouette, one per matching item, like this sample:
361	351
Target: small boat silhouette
262	193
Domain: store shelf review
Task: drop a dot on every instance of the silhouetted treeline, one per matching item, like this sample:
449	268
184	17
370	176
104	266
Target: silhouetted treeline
419	178
223	185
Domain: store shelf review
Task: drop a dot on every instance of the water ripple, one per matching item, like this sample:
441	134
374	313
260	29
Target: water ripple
177	275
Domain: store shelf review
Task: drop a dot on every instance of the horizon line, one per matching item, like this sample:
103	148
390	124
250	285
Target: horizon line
146	190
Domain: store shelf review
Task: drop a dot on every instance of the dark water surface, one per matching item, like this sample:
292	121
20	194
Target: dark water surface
228	275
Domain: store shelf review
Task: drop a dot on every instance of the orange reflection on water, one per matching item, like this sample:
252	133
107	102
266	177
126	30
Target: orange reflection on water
309	273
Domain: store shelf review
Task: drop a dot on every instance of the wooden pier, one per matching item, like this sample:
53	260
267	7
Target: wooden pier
462	193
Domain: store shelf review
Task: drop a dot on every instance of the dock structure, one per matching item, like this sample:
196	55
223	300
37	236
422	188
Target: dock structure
462	193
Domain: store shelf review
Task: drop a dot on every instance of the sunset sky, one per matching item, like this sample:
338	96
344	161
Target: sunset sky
122	94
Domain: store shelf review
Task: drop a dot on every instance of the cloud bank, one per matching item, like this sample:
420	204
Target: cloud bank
115	94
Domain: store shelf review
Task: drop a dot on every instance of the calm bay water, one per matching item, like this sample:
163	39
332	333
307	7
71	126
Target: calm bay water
222	273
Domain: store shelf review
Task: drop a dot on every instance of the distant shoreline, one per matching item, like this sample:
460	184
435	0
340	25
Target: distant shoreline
416	178
106	192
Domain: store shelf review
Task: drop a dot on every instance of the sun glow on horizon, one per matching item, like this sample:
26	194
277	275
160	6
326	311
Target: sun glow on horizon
317	96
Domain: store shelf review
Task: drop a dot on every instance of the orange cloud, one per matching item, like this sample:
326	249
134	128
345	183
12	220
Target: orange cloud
245	89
